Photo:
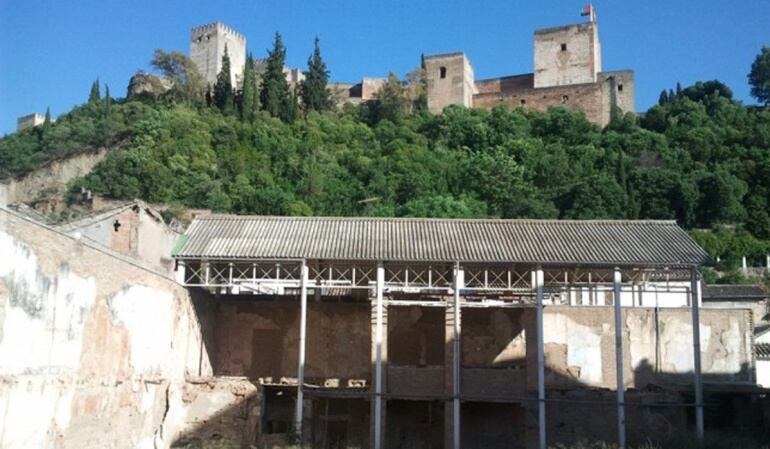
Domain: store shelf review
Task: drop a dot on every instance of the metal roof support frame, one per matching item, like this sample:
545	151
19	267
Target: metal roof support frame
456	355
620	387
695	302
301	363
379	287
538	283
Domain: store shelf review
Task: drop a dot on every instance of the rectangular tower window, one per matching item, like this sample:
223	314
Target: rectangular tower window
563	47
442	72
620	88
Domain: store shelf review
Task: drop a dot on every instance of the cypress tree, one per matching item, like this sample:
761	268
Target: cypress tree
663	98
47	121
223	89
421	102
313	92
107	99
94	95
249	98
274	95
678	88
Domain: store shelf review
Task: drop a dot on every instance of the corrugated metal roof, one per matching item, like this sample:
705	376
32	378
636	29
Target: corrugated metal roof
589	242
733	292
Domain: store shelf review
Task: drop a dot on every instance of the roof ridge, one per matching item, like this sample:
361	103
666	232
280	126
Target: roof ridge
432	219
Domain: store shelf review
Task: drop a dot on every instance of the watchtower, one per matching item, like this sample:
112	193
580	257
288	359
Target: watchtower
207	46
567	55
450	81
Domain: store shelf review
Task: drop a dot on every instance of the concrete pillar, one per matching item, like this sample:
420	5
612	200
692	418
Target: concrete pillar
619	385
301	359
767	262
379	356
744	264
695	289
180	273
538	284
452	363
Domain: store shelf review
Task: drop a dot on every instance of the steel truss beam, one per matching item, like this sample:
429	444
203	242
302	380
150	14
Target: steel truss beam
342	277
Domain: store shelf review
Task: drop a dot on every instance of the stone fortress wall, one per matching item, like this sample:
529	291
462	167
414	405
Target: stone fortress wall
567	72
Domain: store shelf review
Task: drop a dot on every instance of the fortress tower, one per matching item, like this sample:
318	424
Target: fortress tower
207	46
567	55
450	81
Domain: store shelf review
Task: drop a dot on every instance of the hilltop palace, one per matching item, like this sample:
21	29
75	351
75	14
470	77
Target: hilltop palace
567	72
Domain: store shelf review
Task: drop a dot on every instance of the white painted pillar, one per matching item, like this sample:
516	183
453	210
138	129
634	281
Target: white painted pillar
744	264
180	273
538	282
378	336
619	385
456	356
301	359
695	290
767	262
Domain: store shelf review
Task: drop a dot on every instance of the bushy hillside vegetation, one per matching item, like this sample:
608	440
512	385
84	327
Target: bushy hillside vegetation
698	157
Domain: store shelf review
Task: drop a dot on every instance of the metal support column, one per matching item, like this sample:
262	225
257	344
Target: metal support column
301	362
380	285
538	281
619	385
456	354
695	302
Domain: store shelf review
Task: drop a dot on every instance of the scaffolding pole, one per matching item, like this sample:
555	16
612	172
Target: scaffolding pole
457	329
378	336
301	363
620	387
538	282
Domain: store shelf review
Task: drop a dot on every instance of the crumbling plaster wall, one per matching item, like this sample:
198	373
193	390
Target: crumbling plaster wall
97	351
657	346
261	340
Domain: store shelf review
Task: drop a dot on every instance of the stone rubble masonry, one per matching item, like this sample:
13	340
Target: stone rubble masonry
97	350
51	178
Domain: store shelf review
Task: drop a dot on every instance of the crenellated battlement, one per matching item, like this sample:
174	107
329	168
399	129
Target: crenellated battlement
214	26
208	44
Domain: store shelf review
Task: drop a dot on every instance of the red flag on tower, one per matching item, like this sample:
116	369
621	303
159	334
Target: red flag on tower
588	10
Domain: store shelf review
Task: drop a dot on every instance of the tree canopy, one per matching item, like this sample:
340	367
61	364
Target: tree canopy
759	77
698	157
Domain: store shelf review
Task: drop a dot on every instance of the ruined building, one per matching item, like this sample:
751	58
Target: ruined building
366	333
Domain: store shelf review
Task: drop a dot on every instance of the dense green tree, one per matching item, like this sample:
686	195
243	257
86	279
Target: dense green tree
313	91
421	88
390	102
700	158
223	96
95	94
47	120
187	84
249	104
663	98
275	95
759	77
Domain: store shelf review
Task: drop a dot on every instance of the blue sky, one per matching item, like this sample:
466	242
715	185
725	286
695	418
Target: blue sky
51	50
